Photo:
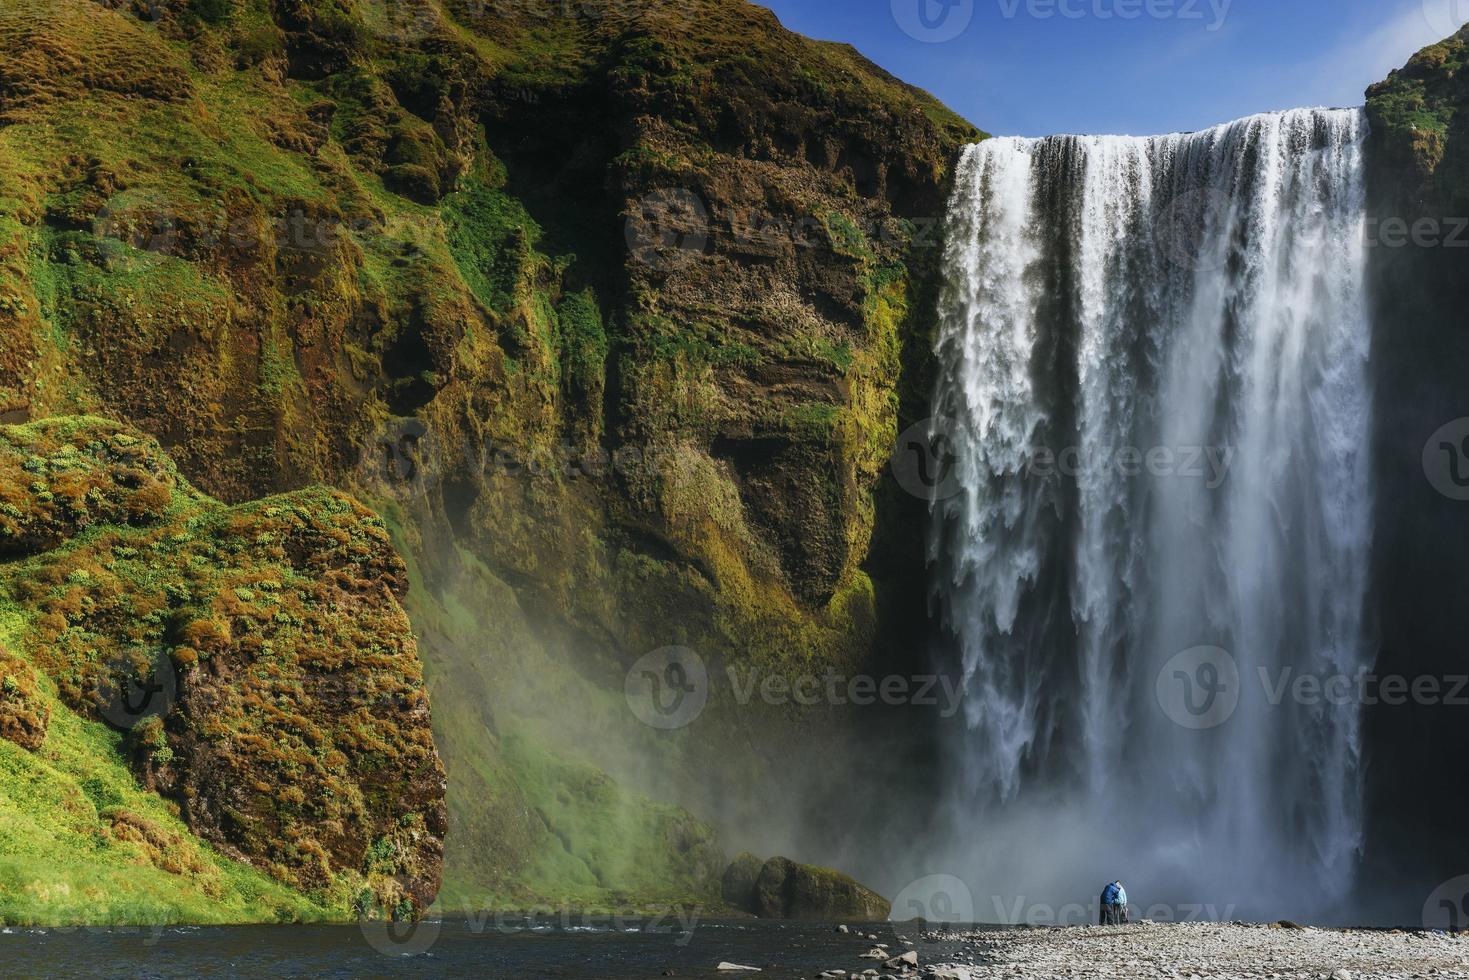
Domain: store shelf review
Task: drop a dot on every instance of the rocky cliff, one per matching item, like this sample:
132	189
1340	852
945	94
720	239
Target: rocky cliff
611	310
1418	170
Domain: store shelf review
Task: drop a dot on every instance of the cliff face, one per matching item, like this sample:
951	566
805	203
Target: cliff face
255	658
613	317
266	237
1419	231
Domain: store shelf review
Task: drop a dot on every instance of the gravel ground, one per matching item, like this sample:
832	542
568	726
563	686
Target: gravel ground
1183	951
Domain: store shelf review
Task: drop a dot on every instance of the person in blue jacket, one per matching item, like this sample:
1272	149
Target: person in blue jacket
1114	905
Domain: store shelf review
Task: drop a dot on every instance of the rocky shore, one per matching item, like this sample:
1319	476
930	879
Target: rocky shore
1175	951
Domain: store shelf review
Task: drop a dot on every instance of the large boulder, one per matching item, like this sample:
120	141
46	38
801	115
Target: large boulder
786	890
739	882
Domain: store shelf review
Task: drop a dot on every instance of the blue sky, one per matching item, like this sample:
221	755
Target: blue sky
1022	67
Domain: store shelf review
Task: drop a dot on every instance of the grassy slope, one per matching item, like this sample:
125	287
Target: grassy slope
65	859
565	834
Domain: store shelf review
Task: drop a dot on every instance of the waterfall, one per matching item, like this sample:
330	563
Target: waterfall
1153	374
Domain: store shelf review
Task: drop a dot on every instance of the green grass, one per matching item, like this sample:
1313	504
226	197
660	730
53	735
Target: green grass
492	239
1424	96
607	846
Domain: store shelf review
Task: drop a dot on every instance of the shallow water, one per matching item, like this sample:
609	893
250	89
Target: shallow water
621	950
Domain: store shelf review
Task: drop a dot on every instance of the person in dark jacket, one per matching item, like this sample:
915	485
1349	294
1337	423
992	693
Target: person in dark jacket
1114	905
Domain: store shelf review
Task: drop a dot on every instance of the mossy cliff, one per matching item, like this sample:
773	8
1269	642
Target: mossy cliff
1418	171
230	696
611	310
264	237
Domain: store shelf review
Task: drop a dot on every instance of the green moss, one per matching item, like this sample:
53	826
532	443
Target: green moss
491	238
120	556
212	11
699	344
846	238
1421	99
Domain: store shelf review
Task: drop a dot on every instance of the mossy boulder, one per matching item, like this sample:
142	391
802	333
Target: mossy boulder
787	890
